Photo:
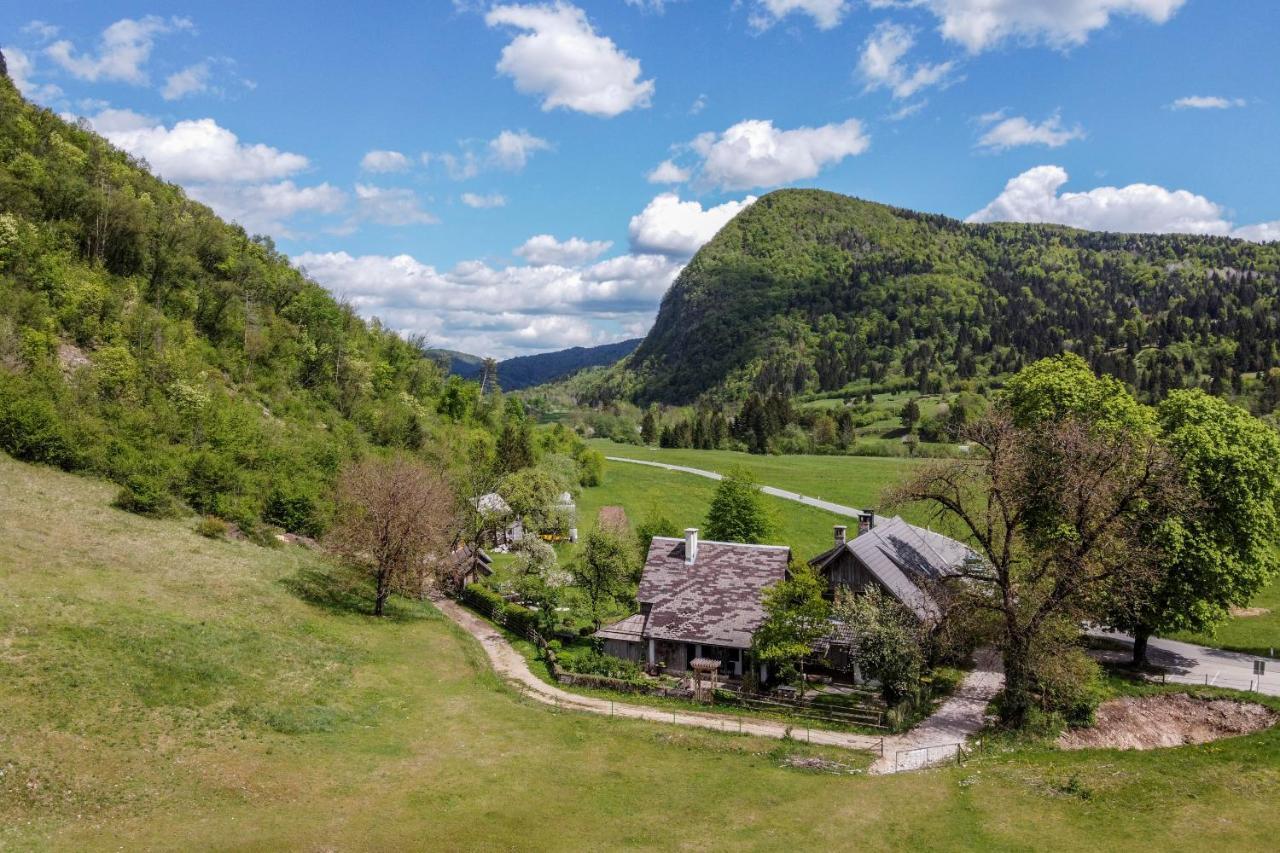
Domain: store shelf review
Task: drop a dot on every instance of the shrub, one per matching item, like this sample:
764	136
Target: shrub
295	507
211	527
30	427
591	662
1068	684
146	494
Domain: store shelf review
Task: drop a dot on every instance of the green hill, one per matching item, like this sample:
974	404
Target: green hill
144	340
809	291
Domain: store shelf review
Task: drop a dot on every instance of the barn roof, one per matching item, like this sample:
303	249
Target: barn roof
718	599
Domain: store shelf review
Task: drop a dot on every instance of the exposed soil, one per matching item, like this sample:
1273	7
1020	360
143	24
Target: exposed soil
1150	722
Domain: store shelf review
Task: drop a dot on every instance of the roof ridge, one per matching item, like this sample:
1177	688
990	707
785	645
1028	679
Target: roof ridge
718	542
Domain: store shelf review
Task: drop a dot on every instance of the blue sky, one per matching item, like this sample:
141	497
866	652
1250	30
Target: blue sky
488	173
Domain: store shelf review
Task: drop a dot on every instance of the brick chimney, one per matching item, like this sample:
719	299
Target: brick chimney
841	534
866	521
690	545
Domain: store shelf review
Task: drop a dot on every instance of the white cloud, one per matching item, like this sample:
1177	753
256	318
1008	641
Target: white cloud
667	172
982	24
41	30
1034	196
1003	133
384	161
881	64
1207	102
545	250
501	311
560	57
908	110
511	149
191	80
266	208
21	66
394	206
826	14
699	104
669	226
481	202
754	153
195	150
123	49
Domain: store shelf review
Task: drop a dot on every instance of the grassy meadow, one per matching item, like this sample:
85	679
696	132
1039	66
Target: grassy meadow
161	690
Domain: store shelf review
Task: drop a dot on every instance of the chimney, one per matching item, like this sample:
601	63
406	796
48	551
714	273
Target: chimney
690	545
866	521
841	534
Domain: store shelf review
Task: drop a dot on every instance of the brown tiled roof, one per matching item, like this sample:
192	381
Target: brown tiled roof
717	600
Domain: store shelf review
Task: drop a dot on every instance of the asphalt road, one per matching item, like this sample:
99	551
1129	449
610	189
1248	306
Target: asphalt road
1190	664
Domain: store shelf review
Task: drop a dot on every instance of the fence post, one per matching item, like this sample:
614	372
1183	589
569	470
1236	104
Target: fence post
1206	679
882	746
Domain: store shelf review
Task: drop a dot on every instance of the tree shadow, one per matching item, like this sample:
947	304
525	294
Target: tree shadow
343	591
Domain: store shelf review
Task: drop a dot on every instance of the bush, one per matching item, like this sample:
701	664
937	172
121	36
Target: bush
146	494
211	527
295	507
1068	684
30	427
591	662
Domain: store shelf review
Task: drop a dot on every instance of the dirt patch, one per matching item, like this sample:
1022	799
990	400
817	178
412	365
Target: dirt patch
1150	722
1247	612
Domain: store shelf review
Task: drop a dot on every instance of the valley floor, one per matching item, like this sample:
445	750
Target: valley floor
159	690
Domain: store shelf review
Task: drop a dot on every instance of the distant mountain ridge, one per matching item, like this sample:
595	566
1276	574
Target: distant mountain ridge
526	371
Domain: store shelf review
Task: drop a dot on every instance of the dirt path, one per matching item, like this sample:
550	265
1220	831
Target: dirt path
955	721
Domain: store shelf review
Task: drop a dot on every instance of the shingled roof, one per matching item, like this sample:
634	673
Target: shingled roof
905	558
717	599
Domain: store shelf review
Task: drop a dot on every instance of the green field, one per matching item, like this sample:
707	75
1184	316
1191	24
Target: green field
161	690
857	481
1257	635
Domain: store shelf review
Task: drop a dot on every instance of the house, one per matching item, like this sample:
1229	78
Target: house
465	565
910	563
493	508
698	600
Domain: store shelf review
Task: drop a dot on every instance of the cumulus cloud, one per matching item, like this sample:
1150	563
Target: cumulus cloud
481	202
268	208
826	14
983	24
675	228
501	311
1004	132
545	250
42	30
21	68
191	80
394	206
123	49
1207	102
881	64
667	172
509	151
754	153
195	150
384	161
1034	196
560	57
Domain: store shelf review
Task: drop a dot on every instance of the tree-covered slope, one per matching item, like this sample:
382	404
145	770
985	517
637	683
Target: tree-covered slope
145	340
810	291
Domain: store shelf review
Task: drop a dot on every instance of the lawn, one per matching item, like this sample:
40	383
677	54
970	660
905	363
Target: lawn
857	481
1257	635
160	690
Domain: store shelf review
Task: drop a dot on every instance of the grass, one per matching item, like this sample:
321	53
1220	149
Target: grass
161	690
1255	635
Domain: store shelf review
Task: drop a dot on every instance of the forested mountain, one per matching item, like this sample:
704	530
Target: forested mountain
144	340
526	371
810	291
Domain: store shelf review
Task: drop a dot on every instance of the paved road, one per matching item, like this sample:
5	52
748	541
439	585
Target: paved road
958	717
838	509
1190	664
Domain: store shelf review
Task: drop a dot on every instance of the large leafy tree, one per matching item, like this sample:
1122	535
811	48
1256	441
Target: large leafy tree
796	617
737	512
1059	501
605	567
1219	545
